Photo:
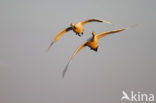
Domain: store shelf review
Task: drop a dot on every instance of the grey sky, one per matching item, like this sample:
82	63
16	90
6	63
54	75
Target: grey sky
124	61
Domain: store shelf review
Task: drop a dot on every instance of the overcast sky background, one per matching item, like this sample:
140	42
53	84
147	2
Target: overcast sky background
124	61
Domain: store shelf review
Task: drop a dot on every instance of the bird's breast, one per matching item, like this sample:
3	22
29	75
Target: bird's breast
93	44
78	29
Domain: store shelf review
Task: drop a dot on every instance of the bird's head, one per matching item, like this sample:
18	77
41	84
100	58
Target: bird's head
93	33
72	25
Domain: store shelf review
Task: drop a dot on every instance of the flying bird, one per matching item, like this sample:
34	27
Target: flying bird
92	43
77	28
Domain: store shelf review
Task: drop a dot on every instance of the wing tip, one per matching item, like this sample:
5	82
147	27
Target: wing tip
65	70
132	26
105	21
50	46
63	75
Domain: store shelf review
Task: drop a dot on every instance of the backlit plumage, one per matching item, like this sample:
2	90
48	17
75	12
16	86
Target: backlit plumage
92	44
77	28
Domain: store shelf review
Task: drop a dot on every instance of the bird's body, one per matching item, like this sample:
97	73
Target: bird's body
92	43
77	28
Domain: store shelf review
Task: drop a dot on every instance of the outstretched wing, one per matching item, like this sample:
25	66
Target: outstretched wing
81	47
59	35
94	20
110	32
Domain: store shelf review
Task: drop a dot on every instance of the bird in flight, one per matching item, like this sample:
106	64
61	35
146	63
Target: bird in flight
77	28
92	43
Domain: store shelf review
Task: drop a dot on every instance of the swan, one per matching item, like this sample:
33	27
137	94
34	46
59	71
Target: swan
92	43
77	28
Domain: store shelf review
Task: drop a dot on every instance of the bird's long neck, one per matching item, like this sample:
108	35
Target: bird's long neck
94	38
